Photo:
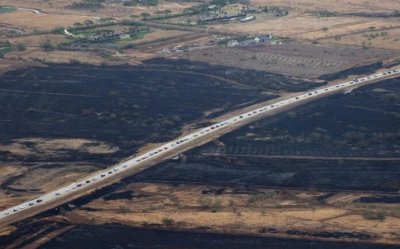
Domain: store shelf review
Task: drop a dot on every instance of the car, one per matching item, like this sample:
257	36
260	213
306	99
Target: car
67	189
31	204
79	185
109	172
15	210
103	175
6	214
57	194
311	93
125	166
38	200
88	181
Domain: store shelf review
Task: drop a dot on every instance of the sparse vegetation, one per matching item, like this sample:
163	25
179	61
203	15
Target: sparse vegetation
212	204
258	198
374	215
168	222
87	4
47	45
7	9
5	47
21	46
141	3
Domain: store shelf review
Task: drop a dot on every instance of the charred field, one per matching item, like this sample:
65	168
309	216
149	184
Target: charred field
150	238
344	142
305	169
62	121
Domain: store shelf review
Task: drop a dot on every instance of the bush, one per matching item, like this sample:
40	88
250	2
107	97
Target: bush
210	204
47	46
168	222
21	47
261	197
374	215
87	4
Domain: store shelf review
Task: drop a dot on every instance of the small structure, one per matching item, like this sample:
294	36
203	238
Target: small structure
263	38
247	43
124	36
233	43
248	19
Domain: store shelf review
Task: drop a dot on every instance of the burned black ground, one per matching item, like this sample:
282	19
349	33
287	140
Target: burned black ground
125	237
344	142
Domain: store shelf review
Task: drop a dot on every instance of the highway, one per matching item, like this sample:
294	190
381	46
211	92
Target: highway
168	149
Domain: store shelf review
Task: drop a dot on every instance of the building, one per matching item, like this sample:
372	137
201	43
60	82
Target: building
233	43
263	38
247	43
248	19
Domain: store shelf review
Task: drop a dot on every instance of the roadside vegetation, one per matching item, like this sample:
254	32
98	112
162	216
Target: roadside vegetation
5	47
87	4
7	9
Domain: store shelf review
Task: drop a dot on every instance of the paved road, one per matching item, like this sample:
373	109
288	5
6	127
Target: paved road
167	150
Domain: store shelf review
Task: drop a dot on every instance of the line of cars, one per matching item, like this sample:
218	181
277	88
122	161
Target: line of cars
76	186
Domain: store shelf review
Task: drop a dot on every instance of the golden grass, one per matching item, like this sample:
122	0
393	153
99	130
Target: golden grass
295	210
333	5
30	21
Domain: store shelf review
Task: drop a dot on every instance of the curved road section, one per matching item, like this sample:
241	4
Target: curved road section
168	150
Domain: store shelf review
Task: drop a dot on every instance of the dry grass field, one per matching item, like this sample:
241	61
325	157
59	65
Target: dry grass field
333	5
30	21
242	211
387	39
292	58
110	9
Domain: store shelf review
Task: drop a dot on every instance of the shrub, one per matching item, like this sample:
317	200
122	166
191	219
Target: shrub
374	215
168	222
47	46
21	47
210	204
